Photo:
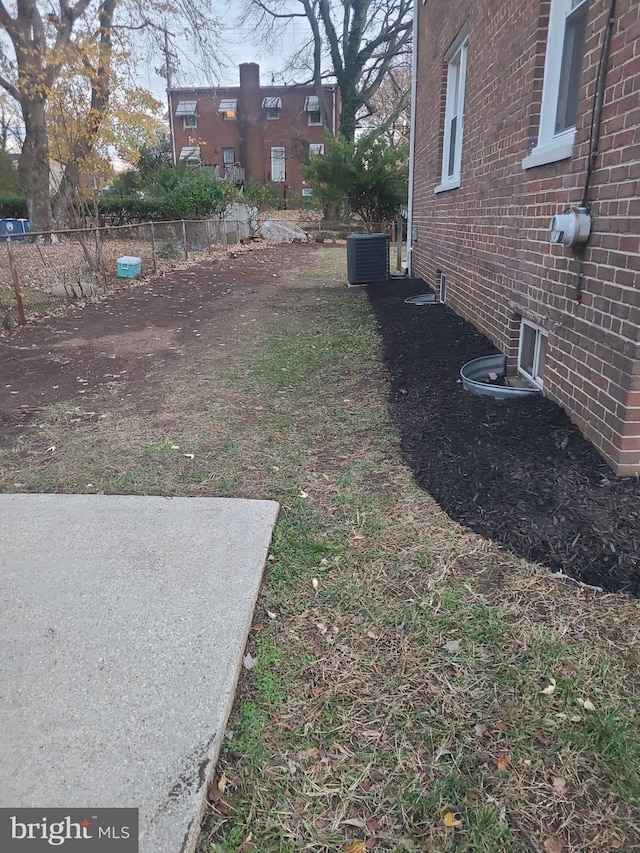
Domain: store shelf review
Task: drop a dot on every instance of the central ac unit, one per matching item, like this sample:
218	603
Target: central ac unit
367	258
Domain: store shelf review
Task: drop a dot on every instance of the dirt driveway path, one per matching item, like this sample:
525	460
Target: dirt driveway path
122	346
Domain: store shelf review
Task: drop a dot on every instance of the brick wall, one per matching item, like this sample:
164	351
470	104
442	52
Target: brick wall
490	235
252	134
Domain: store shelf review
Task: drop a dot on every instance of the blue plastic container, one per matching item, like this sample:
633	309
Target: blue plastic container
129	266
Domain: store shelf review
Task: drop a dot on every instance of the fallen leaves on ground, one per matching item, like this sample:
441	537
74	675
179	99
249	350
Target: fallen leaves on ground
451	819
503	762
560	785
214	795
543	738
357	846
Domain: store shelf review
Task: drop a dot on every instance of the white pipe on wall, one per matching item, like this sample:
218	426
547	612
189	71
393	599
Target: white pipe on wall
412	141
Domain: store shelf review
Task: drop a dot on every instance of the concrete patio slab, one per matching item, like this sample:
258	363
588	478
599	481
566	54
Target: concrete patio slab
122	632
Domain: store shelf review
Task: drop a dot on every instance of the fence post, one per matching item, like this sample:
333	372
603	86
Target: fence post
237	232
16	283
153	249
208	236
99	260
184	240
399	243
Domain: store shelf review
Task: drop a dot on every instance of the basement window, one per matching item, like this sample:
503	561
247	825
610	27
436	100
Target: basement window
443	287
532	352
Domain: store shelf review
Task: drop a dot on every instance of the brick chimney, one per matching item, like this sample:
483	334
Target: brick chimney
249	103
250	76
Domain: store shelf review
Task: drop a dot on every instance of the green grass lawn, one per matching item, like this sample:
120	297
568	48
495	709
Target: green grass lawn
416	687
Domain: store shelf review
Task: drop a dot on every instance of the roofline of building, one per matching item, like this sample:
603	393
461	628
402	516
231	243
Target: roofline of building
205	90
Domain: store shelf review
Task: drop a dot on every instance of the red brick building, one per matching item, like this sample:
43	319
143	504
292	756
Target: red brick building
508	105
260	132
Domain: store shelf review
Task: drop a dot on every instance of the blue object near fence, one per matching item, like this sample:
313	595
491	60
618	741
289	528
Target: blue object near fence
129	266
14	228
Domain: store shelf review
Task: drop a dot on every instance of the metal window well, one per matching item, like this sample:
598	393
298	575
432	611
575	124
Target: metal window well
477	377
367	258
421	299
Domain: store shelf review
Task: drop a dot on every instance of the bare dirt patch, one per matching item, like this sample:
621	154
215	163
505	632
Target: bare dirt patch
140	340
124	345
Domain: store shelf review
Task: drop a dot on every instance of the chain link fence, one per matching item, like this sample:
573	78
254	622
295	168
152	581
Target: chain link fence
40	273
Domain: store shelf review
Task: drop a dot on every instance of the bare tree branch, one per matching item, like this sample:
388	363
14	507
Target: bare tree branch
10	88
287	15
356	42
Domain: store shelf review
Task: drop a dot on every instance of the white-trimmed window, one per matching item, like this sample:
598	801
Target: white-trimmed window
228	161
316	149
228	108
532	351
312	109
187	110
456	60
190	154
278	158
273	107
561	86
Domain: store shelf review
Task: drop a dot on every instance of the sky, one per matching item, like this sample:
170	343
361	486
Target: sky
238	48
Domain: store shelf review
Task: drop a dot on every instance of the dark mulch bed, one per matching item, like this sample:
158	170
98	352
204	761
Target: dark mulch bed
517	472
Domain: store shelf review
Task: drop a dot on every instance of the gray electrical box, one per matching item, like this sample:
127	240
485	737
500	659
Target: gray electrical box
367	258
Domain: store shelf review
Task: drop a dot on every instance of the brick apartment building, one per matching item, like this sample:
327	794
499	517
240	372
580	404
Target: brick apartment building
505	97
251	131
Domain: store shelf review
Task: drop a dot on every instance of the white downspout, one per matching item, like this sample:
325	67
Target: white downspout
171	128
412	140
167	65
334	107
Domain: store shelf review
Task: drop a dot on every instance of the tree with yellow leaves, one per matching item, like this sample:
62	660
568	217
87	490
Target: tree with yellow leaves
42	37
132	117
